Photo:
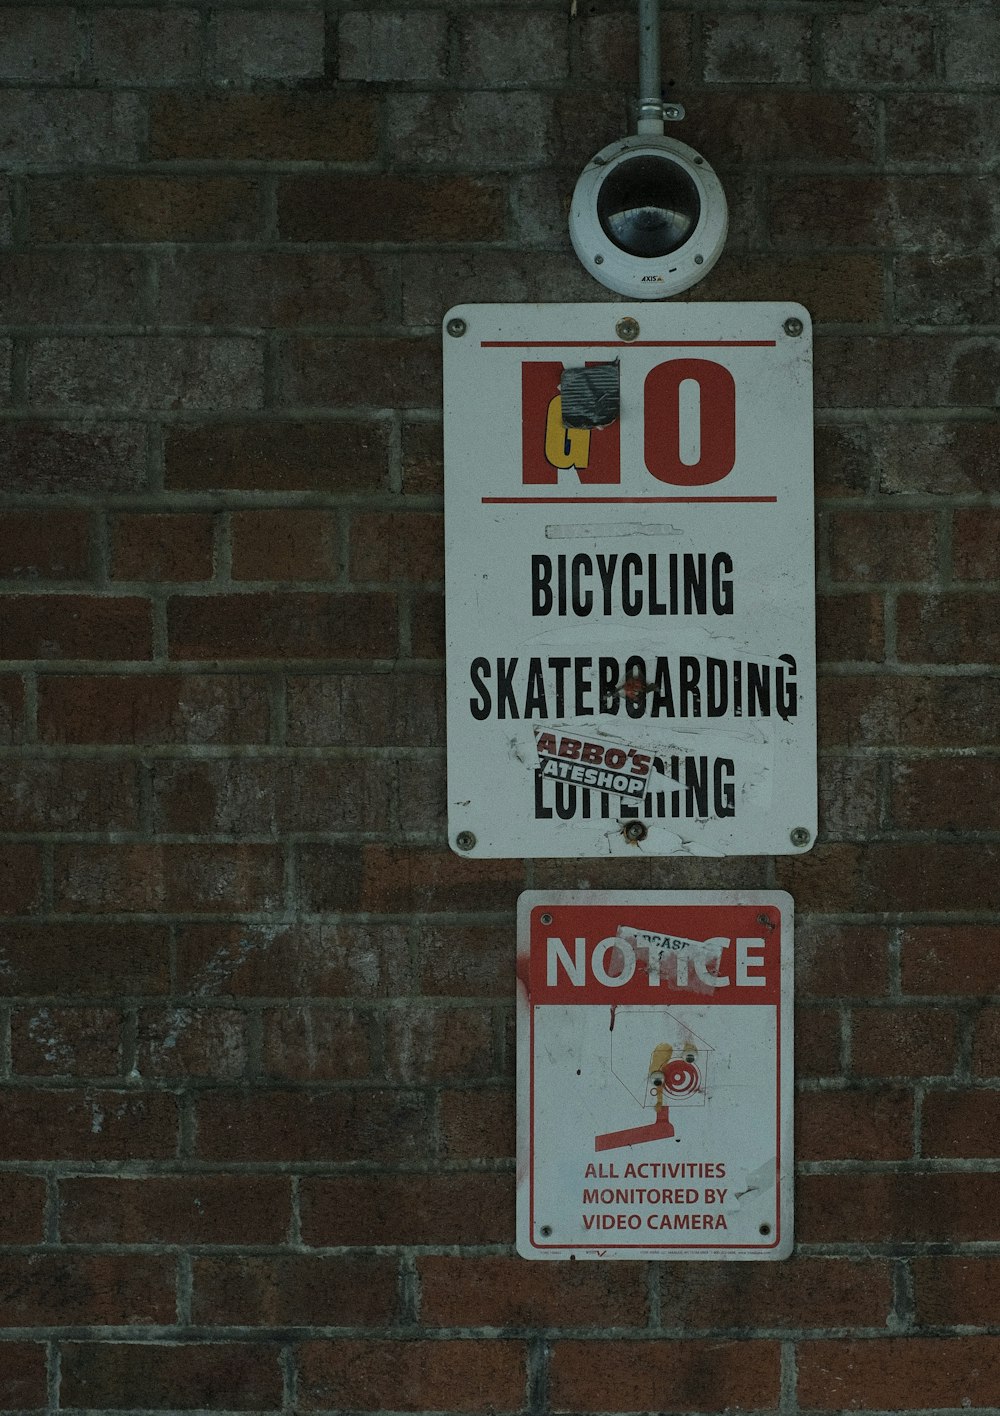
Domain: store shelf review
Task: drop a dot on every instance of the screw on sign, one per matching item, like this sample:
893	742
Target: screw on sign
654	1075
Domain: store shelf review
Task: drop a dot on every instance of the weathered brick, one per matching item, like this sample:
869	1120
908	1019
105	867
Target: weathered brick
391	372
958	628
465	961
89	960
378	207
22	1375
608	48
944	289
22	1213
918	876
404	881
92	1125
844	459
146	46
946	794
204	879
961	1124
142	206
921	712
50	127
303	1126
952	1290
855	1124
422	459
898	1374
427	625
300	961
739	49
452	1208
477	1125
427	1043
282	625
355	710
805	1292
319	1044
412	1376
75	627
389	46
672	1375
887	46
941	127
945	457
155	546
903	1042
285	545
230	1376
81	1042
192	1042
268	44
44	545
850	628
432	282
912	213
278	456
82	1289
38	44
115	708
276	289
833	287
956	959
781	125
972	45
817	1042
908	1206
175	1209
489	131
72	287
261	126
986	1043
512	50
850	790
144	372
883	545
79	460
496	1291
396	546
841	960
975	536
349	1290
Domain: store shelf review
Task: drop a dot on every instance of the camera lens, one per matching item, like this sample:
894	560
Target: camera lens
648	206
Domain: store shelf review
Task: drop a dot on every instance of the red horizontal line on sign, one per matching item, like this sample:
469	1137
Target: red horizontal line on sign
632	344
570	501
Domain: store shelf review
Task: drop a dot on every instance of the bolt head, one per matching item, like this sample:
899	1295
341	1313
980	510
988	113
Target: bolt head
627	329
799	836
456	328
793	327
465	840
636	831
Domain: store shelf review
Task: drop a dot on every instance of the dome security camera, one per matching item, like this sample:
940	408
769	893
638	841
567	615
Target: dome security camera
648	217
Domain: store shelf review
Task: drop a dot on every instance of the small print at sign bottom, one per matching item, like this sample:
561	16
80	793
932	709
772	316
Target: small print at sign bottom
654	1075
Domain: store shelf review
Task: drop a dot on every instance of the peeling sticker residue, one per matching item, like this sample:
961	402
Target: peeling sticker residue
692	964
591	531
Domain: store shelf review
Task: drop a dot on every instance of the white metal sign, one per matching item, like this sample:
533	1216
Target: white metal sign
654	1075
630	605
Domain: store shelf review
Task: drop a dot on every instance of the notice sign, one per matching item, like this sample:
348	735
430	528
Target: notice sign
630	580
654	1075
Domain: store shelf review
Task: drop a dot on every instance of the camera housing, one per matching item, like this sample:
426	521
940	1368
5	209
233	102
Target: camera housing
649	217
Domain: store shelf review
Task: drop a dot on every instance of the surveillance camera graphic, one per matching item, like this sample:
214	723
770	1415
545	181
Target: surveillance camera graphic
676	1074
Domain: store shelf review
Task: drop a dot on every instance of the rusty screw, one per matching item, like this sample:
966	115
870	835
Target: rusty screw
799	836
636	831
465	840
793	327
627	329
456	328
545	918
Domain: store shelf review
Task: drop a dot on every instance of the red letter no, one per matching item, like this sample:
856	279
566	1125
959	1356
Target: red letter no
717	416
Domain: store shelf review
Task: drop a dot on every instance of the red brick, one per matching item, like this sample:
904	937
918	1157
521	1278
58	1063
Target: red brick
850	627
192	1042
817	1042
39	545
944	457
175	1209
854	1125
851	792
843	453
89	960
143	207
78	1289
277	289
942	711
60	794
498	50
136	46
39	44
53	457
168	372
422	459
210	879
949	1290
922	876
348	207
397	546
95	1125
464	962
897	371
889	46
72	287
953	959
488	131
975	537
159	547
883	545
455	1208
940	127
296	127
668	1375
912	212
943	289
22	1375
841	960
498	1291
322	456
384	48
911	1207
739	49
167	708
214	1376
903	1042
477	1125
75	627
403	881
379	373
609	49
268	44
51	127
22	1212
412	1376
435	1044
804	1293
20	878
899	1374
71	1042
972	44
282	625
948	629
778	126
986	1043
433	282
301	960
950	794
961	1124
347	1125
353	710
12	710
319	1044
345	1291
285	545
845	287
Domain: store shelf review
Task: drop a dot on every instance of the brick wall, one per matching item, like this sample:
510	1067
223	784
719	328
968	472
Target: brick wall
255	1044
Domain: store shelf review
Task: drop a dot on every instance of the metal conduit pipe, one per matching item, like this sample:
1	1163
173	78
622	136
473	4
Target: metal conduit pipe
650	98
